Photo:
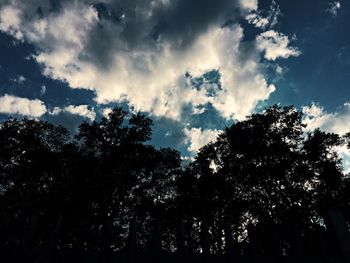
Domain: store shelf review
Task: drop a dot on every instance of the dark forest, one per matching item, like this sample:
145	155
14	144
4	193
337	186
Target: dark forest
89	191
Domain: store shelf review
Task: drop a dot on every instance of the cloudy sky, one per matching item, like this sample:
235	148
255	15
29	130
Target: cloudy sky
193	66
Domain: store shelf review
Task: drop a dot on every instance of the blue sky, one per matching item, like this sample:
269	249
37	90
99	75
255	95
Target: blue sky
193	66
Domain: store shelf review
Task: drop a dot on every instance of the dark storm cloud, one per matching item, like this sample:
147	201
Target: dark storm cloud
129	25
183	20
34	8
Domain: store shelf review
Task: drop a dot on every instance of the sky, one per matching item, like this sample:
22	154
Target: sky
193	66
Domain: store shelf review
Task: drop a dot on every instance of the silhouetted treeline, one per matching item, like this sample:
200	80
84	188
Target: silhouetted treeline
263	171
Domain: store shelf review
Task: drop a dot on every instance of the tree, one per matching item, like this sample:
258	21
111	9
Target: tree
264	169
133	180
31	171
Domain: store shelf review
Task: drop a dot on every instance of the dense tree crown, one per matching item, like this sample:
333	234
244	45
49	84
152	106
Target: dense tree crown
266	168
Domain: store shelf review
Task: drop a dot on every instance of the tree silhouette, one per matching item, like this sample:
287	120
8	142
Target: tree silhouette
31	172
83	192
264	169
133	180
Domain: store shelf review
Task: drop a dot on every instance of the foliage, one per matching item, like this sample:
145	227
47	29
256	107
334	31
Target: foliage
264	169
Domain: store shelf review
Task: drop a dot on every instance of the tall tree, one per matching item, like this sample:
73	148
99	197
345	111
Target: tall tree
264	169
31	172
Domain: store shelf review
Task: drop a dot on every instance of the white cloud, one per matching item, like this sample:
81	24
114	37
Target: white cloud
23	106
337	122
10	21
249	4
344	153
256	18
154	80
150	74
274	13
106	112
81	110
62	39
198	138
87	51
334	8
198	110
275	45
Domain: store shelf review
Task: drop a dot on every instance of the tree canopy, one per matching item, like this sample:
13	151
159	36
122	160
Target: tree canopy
265	169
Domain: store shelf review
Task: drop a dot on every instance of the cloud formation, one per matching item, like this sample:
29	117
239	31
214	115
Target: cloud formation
249	5
334	8
336	122
147	53
80	110
142	52
275	45
10	21
259	20
16	105
198	138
